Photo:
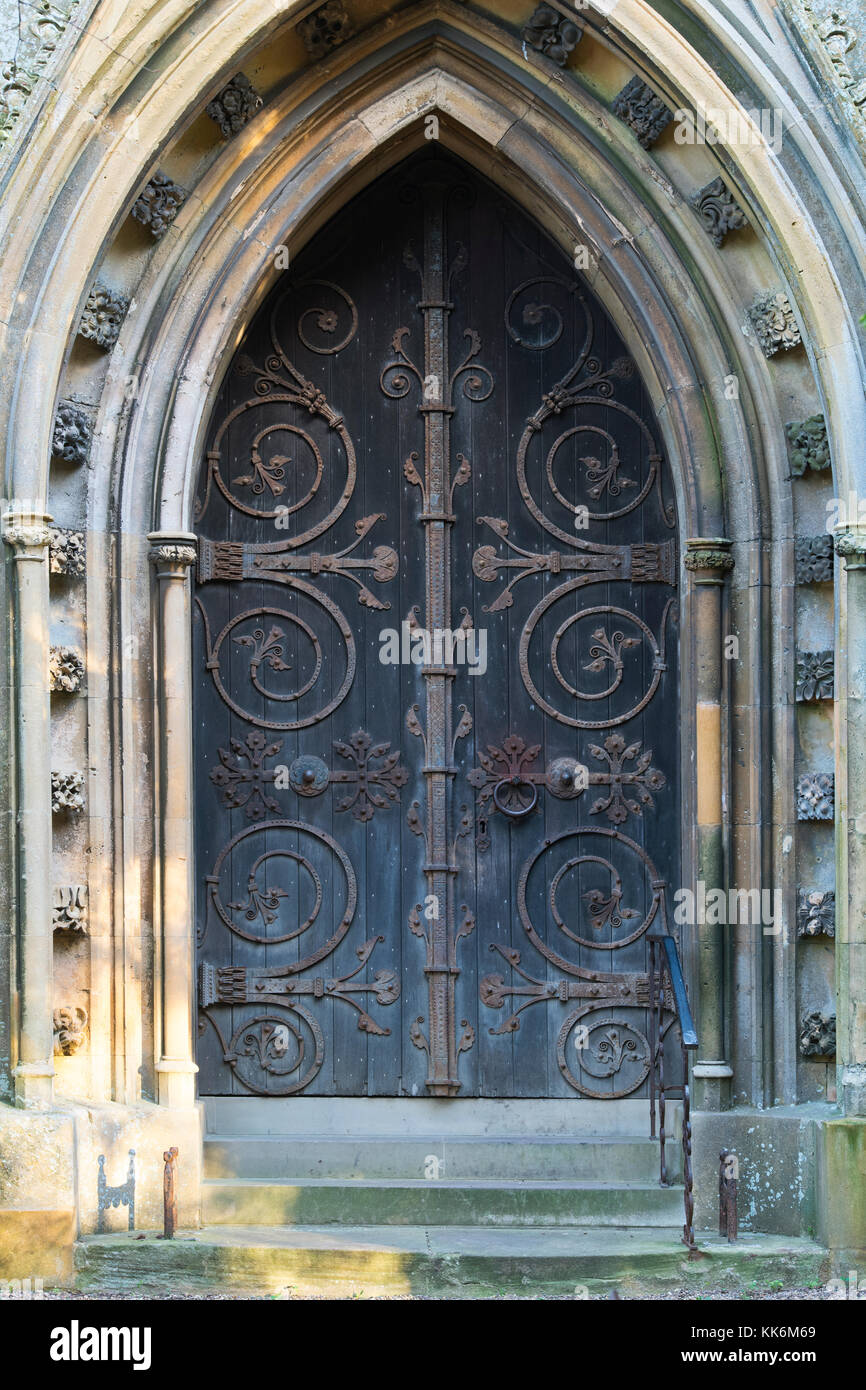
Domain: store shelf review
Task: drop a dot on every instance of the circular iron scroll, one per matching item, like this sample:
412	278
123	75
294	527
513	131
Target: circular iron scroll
263	828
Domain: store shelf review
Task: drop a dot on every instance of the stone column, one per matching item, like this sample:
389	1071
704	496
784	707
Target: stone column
172	554
851	827
708	561
28	535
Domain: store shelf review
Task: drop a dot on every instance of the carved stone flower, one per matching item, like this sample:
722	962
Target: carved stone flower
810	447
236	104
773	320
639	107
813	559
814	676
719	210
815	795
72	434
816	913
550	33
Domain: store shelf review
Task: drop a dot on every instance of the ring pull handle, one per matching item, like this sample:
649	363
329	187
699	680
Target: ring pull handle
511	811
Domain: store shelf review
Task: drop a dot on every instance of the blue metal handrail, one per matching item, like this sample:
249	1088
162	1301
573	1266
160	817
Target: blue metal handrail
668	993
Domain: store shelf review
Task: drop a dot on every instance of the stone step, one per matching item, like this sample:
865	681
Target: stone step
437	1261
358	1202
277	1158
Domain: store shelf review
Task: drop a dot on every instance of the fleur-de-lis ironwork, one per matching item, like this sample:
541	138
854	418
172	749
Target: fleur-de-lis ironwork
242	775
640	780
377	777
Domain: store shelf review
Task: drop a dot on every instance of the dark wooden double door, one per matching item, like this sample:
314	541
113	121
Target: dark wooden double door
430	866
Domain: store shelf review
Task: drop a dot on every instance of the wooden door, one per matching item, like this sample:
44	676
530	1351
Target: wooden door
436	723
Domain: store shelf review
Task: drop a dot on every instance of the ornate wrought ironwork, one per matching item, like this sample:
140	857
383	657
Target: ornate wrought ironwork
728	1171
245	781
276	1041
169	1193
282	456
506	778
120	1195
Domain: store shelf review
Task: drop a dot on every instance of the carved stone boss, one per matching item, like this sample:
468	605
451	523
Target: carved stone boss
809	445
639	107
719	210
102	320
773	321
158	204
70	1030
550	33
69	912
816	913
325	28
65	670
235	106
72	435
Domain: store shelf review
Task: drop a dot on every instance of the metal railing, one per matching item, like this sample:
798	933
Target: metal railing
668	995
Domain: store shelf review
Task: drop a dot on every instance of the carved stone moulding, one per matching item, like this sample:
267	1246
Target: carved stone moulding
326	28
67	553
818	1034
550	33
65	670
26	532
813	559
70	1029
814	676
73	433
815	795
639	107
850	543
69	911
809	445
708	559
158	204
103	316
816	912
719	210
773	320
67	792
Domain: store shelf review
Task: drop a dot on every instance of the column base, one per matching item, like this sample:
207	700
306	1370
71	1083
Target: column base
34	1085
176	1082
711	1085
851	1089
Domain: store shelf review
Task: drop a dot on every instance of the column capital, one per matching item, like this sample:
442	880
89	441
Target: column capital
709	557
172	552
27	532
850	544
